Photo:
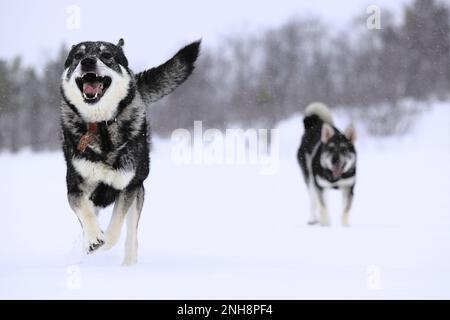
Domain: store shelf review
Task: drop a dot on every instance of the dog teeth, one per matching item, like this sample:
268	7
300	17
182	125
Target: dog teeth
92	98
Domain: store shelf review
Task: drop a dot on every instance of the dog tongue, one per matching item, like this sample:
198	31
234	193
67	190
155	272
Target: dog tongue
337	171
93	88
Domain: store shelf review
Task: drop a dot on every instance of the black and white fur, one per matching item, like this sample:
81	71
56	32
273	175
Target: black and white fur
328	160
98	87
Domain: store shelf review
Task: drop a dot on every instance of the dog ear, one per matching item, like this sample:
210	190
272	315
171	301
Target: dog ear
350	133
327	132
121	43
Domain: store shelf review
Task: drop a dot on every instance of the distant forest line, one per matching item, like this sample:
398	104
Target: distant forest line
259	80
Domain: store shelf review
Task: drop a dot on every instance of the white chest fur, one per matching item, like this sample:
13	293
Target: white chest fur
96	172
339	184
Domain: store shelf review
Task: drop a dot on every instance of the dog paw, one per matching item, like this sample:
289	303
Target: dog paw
111	239
107	246
324	223
129	261
130	254
344	221
94	243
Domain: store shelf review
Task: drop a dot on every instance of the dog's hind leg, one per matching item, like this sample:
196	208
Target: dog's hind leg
347	194
131	243
85	211
123	203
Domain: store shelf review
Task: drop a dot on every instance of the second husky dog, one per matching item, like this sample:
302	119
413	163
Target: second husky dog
105	134
328	160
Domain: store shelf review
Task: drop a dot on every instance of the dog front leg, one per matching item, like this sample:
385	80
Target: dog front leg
324	220
131	243
347	194
85	211
313	207
122	205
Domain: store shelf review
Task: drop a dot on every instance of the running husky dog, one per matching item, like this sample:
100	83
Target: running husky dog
105	135
328	160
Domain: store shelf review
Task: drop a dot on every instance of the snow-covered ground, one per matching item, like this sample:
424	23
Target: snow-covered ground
220	232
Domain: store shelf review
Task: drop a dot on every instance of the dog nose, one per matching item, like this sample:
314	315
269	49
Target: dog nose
335	159
88	62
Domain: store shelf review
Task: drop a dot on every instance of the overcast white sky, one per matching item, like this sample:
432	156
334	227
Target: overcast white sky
154	30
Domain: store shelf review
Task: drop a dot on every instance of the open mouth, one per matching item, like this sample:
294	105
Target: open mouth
337	170
93	86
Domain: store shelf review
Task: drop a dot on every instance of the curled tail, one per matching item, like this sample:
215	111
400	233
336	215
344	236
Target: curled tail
155	83
317	113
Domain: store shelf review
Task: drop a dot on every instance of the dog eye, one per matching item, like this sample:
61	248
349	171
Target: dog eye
78	55
106	55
